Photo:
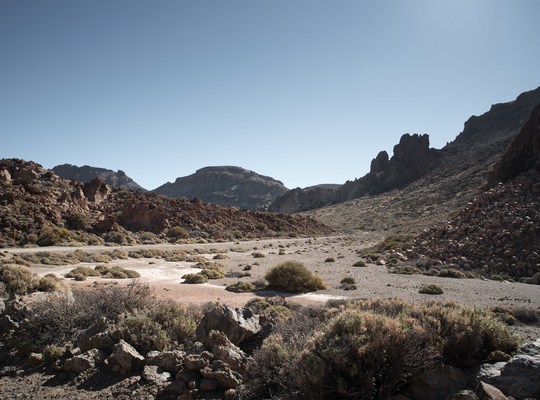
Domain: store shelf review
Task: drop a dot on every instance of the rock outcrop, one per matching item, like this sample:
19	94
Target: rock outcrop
298	199
86	173
523	153
226	186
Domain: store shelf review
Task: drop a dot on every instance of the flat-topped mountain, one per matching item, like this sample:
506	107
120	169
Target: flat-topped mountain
86	173
226	185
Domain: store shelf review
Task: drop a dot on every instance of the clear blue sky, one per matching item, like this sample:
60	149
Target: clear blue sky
306	91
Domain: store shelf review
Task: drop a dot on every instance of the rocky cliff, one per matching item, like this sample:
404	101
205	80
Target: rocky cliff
38	207
226	185
86	173
412	159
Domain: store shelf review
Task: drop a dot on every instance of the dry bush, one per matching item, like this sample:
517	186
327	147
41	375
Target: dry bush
18	279
213	273
451	273
142	333
431	289
116	272
50	283
258	255
364	355
241	287
84	271
360	263
178	321
526	315
293	277
195	278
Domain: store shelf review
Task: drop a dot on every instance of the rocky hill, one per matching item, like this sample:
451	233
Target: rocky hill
497	232
38	207
86	173
227	186
462	167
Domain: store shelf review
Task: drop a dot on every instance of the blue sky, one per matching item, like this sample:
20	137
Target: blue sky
305	91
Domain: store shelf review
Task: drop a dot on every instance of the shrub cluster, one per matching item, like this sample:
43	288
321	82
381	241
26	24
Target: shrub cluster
293	277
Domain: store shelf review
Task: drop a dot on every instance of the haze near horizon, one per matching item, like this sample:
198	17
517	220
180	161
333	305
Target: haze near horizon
307	92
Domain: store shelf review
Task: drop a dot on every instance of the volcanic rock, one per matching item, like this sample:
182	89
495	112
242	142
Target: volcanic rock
87	173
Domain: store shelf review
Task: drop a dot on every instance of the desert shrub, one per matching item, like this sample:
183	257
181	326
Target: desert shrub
526	315
142	333
258	255
277	313
61	316
348	283
237	274
116	237
247	268
82	271
431	289
213	273
241	287
404	270
116	272
330	259
503	314
394	242
195	278
52	235
51	353
451	273
18	279
293	277
49	283
365	354
177	232
260	284
360	263
149	238
176	320
220	256
77	221
31	238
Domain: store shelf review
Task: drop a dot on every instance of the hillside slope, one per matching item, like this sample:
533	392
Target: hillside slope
463	168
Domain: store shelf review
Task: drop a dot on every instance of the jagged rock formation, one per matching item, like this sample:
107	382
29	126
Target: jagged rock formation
497	232
227	186
522	155
36	206
86	173
298	199
412	159
463	167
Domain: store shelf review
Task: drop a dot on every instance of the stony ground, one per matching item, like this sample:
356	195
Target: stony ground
166	279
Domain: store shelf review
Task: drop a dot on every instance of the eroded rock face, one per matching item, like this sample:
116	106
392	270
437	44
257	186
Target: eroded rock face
523	153
87	174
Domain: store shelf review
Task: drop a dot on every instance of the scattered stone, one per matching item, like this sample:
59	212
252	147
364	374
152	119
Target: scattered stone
127	357
486	391
170	361
155	375
35	359
85	361
195	362
221	372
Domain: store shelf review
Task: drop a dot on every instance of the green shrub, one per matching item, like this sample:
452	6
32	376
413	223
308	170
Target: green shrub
50	236
241	287
18	279
116	272
195	278
84	271
142	333
51	353
365	354
348	283
77	221
213	273
431	289
176	320
293	277
277	313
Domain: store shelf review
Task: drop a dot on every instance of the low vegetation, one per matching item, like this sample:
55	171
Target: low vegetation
241	287
293	277
431	289
195	278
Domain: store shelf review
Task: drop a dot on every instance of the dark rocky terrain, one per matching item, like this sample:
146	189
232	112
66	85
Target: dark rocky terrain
36	206
226	185
86	173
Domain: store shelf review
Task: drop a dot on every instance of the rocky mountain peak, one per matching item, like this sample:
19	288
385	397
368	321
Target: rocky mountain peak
226	185
87	173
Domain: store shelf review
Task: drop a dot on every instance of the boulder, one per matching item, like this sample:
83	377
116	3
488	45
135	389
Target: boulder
177	387
195	362
80	363
170	361
486	391
517	378
238	324
192	378
221	372
224	350
35	359
155	375
126	357
438	384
